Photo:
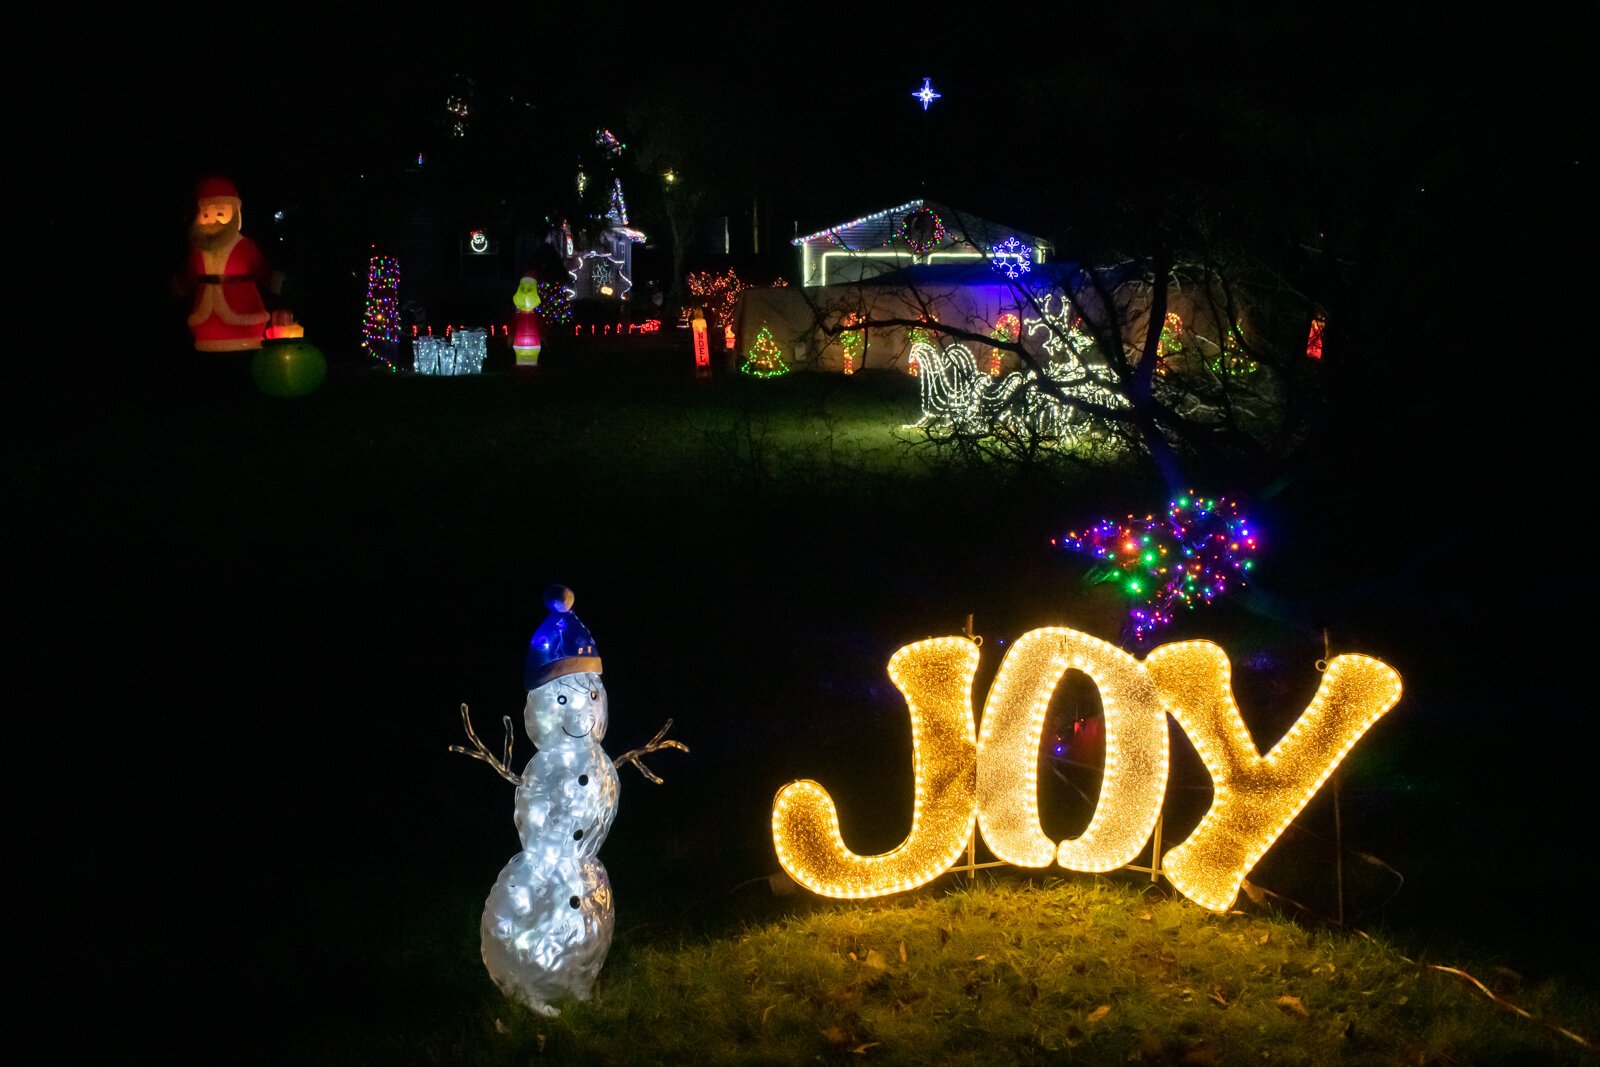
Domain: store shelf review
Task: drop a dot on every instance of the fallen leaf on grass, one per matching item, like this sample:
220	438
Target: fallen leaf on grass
1145	915
1099	1013
861	1050
766	1012
541	1044
500	1027
1264	938
852	955
1220	999
902	952
875	960
1293	1004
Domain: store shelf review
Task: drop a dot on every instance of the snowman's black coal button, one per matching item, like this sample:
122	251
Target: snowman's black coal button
577	835
573	902
583	779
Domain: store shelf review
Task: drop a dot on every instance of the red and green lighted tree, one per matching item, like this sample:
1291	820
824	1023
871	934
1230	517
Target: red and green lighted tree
765	359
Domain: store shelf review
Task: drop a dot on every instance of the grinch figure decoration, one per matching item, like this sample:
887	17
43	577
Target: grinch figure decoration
525	338
224	272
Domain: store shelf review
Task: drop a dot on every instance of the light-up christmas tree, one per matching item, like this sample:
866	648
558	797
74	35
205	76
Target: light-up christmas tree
765	359
380	321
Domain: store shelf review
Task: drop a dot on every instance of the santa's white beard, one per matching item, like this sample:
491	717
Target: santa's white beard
210	236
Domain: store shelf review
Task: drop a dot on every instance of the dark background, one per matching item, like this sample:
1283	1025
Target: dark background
247	626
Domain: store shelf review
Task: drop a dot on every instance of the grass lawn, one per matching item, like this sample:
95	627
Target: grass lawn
257	619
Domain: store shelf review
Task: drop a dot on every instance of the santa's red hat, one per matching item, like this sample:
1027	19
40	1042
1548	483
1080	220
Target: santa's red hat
211	190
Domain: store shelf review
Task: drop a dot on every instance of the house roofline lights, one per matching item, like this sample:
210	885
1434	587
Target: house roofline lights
907	206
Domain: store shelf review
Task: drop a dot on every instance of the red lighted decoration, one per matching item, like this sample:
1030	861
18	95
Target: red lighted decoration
727	336
702	344
1314	338
223	273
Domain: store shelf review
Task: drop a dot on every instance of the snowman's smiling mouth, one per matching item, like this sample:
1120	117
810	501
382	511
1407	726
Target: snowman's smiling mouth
569	733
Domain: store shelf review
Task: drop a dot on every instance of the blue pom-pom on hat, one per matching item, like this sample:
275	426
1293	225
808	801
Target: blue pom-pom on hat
561	645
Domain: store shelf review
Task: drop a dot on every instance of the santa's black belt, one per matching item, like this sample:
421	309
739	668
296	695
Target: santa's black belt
218	279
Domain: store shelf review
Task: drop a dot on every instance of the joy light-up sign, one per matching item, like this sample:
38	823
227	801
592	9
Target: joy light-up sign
964	776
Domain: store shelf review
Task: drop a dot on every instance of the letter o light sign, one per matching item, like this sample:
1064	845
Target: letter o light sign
989	778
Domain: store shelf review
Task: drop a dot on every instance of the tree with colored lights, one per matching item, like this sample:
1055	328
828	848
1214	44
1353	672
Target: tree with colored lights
380	319
765	359
718	293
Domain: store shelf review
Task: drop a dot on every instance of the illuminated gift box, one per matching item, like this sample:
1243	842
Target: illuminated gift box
462	352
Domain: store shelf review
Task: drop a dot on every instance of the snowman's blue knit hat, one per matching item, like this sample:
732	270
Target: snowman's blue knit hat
561	645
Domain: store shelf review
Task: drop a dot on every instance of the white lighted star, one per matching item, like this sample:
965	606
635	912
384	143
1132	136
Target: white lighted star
926	93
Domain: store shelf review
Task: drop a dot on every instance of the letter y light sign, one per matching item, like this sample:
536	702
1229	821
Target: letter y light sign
989	777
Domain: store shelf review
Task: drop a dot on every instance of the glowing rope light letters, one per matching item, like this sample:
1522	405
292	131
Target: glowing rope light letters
935	677
993	783
1256	796
1008	752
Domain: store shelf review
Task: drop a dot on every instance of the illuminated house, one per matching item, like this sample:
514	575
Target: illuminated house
918	233
918	260
600	264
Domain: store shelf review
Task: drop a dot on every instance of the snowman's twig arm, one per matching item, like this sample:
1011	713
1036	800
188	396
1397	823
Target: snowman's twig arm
478	752
656	744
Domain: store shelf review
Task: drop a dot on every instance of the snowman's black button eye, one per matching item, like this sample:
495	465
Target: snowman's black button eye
594	694
577	835
583	779
561	700
573	902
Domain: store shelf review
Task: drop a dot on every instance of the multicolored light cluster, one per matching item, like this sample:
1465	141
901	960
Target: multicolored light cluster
1191	555
555	304
380	320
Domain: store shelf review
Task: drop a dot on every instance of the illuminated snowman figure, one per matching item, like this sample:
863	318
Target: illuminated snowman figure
547	924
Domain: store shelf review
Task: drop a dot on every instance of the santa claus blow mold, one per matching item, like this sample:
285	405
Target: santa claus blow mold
224	272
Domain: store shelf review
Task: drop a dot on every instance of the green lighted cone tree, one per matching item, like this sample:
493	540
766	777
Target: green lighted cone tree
765	359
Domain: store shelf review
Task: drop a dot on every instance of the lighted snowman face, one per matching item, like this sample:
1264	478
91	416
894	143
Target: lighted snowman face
569	708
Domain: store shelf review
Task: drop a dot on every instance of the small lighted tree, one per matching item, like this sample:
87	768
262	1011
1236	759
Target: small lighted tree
380	321
765	358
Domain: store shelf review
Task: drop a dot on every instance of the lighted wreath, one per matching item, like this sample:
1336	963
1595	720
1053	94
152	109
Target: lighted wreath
923	230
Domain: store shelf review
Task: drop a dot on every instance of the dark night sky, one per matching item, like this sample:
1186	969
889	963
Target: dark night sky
817	111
